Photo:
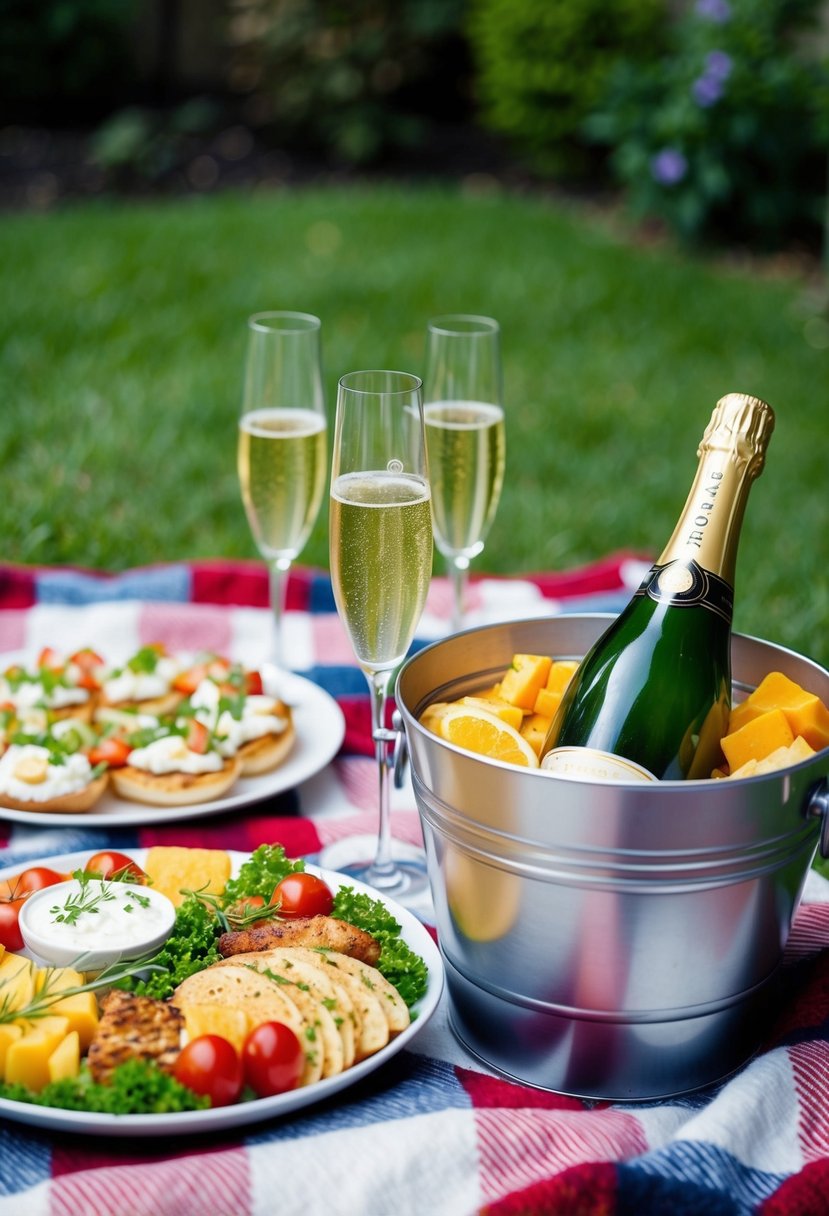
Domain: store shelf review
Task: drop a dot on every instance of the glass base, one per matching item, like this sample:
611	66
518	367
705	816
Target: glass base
406	880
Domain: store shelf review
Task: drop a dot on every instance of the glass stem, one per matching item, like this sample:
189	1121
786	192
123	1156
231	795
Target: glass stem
278	586
383	872
458	567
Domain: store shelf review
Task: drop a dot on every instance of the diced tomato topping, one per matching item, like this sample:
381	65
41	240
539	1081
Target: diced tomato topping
253	683
189	680
50	658
198	736
111	751
87	659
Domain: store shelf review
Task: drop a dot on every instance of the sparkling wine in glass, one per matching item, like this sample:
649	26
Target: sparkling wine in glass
464	419
282	449
381	563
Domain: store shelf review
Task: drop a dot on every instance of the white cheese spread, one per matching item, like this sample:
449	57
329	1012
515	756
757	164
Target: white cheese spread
31	692
58	779
259	718
172	755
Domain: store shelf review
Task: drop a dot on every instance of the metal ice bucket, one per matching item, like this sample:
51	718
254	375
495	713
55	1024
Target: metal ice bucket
616	941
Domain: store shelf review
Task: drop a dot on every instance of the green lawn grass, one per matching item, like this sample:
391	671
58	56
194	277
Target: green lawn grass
123	332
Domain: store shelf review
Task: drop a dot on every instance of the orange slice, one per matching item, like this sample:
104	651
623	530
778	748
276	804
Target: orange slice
479	731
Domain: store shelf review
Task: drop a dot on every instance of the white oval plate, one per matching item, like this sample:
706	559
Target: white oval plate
243	1113
320	729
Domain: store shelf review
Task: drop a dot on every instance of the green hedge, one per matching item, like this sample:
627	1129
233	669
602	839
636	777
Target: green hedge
542	67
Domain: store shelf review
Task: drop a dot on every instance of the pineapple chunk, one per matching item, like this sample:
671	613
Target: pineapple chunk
524	679
561	673
27	1059
535	730
231	1023
81	1015
547	702
17	982
65	1060
9	1033
510	714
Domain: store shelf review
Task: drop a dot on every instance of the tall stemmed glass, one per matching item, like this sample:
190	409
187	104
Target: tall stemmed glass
381	564
465	436
282	444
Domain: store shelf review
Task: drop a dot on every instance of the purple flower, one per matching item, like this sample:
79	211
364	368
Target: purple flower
668	167
717	11
718	65
706	90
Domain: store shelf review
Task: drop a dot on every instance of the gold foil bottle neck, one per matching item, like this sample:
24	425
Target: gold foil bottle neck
742	425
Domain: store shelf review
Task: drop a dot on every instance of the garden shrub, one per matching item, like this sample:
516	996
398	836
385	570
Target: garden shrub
725	136
63	57
542	65
350	77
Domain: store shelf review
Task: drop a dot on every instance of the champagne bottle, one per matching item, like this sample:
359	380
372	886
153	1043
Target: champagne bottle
655	689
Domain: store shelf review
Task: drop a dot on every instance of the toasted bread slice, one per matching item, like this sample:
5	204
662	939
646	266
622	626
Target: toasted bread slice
266	753
70	804
167	703
174	789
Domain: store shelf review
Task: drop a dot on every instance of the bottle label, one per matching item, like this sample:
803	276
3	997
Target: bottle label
687	585
592	764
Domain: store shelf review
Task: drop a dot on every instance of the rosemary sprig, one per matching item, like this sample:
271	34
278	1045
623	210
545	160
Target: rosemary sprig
86	900
233	918
50	992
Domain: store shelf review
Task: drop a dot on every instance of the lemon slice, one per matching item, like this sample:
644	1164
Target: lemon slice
479	731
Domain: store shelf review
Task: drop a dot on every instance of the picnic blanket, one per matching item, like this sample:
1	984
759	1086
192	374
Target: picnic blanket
431	1133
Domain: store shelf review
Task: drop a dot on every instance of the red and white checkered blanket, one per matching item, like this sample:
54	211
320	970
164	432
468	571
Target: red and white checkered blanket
430	1132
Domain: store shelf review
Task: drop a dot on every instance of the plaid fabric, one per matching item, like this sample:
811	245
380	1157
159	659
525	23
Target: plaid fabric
431	1132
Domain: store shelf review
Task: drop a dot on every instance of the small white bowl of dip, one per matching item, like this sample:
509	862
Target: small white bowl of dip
95	922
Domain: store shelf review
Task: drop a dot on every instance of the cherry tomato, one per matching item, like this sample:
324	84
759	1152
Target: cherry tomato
108	863
253	683
35	879
112	751
198	737
272	1058
303	894
10	935
210	1065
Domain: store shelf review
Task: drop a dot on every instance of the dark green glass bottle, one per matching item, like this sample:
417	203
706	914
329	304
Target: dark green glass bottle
656	687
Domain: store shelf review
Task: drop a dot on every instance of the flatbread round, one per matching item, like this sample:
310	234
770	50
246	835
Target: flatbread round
174	789
262	999
76	803
266	753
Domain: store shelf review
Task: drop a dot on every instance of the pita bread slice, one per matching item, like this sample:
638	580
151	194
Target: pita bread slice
312	978
394	1007
374	1026
262	999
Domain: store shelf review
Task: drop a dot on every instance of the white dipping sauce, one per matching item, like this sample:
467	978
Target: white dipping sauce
97	915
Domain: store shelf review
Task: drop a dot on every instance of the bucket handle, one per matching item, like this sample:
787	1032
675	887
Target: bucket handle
400	756
819	806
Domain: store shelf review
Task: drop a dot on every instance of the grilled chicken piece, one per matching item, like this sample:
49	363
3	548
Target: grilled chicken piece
319	931
134	1027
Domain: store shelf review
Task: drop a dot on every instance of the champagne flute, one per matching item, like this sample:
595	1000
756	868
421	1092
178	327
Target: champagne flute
282	446
381	565
465	436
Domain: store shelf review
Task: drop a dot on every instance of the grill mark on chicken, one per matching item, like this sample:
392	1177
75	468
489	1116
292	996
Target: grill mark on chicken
314	931
134	1028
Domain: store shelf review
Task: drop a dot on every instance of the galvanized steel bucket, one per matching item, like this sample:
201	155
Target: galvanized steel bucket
617	941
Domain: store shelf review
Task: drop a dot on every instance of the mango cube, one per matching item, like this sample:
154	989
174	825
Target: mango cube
17	980
9	1033
525	678
27	1059
806	713
65	1060
757	739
